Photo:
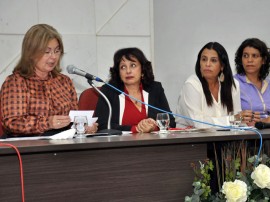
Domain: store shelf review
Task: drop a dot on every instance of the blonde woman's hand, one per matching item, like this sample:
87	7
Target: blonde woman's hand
58	121
91	129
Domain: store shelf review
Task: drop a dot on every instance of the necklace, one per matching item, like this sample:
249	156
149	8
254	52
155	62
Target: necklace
136	98
136	102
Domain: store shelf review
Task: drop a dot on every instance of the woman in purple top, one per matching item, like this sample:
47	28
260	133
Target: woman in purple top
252	62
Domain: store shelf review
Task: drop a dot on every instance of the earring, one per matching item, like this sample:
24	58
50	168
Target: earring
142	76
221	77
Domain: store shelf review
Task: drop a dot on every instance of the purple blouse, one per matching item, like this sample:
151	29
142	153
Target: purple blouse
251	97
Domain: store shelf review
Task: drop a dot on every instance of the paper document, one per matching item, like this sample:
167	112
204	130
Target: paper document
88	113
67	134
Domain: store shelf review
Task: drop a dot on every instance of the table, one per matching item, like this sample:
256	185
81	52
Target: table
141	167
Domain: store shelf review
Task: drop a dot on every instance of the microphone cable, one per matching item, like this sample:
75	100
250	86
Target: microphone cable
198	121
21	166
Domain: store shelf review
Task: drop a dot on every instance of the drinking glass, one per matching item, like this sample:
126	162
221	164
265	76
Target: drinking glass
235	119
163	121
80	122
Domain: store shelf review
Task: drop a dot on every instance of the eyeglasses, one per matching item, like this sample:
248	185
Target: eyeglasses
253	56
56	52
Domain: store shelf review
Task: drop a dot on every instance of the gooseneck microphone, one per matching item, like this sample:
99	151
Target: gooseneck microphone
71	69
109	130
262	125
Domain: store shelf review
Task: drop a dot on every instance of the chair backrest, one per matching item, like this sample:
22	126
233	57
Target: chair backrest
88	99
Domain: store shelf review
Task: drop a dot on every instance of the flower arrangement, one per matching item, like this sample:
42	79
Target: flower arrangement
243	178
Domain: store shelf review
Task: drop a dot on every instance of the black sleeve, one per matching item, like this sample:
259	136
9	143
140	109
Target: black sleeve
158	99
102	110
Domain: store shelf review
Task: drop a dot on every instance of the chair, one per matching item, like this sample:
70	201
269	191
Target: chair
88	99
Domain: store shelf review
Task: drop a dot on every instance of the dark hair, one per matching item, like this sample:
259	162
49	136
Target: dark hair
262	48
128	53
226	85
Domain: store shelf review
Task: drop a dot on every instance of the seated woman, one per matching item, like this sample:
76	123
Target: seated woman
36	98
252	62
212	93
133	74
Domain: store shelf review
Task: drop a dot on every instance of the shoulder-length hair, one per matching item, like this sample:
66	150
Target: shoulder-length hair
34	46
262	48
226	85
129	53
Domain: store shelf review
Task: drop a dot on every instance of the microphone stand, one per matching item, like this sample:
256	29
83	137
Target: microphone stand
107	131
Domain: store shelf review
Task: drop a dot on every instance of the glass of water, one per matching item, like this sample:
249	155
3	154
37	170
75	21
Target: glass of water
80	123
235	119
163	121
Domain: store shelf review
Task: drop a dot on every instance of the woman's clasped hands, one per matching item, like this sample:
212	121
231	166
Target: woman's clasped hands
146	125
249	117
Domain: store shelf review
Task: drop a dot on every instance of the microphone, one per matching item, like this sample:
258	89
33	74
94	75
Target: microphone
74	70
262	125
109	130
71	69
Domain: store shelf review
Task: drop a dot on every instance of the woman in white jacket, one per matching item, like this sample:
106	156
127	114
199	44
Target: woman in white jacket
212	93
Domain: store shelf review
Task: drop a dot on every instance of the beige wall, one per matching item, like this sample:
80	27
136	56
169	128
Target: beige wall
92	31
183	27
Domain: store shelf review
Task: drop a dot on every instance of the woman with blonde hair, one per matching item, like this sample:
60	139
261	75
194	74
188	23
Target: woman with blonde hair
36	98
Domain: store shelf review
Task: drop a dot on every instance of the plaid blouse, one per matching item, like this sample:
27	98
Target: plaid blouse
26	104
